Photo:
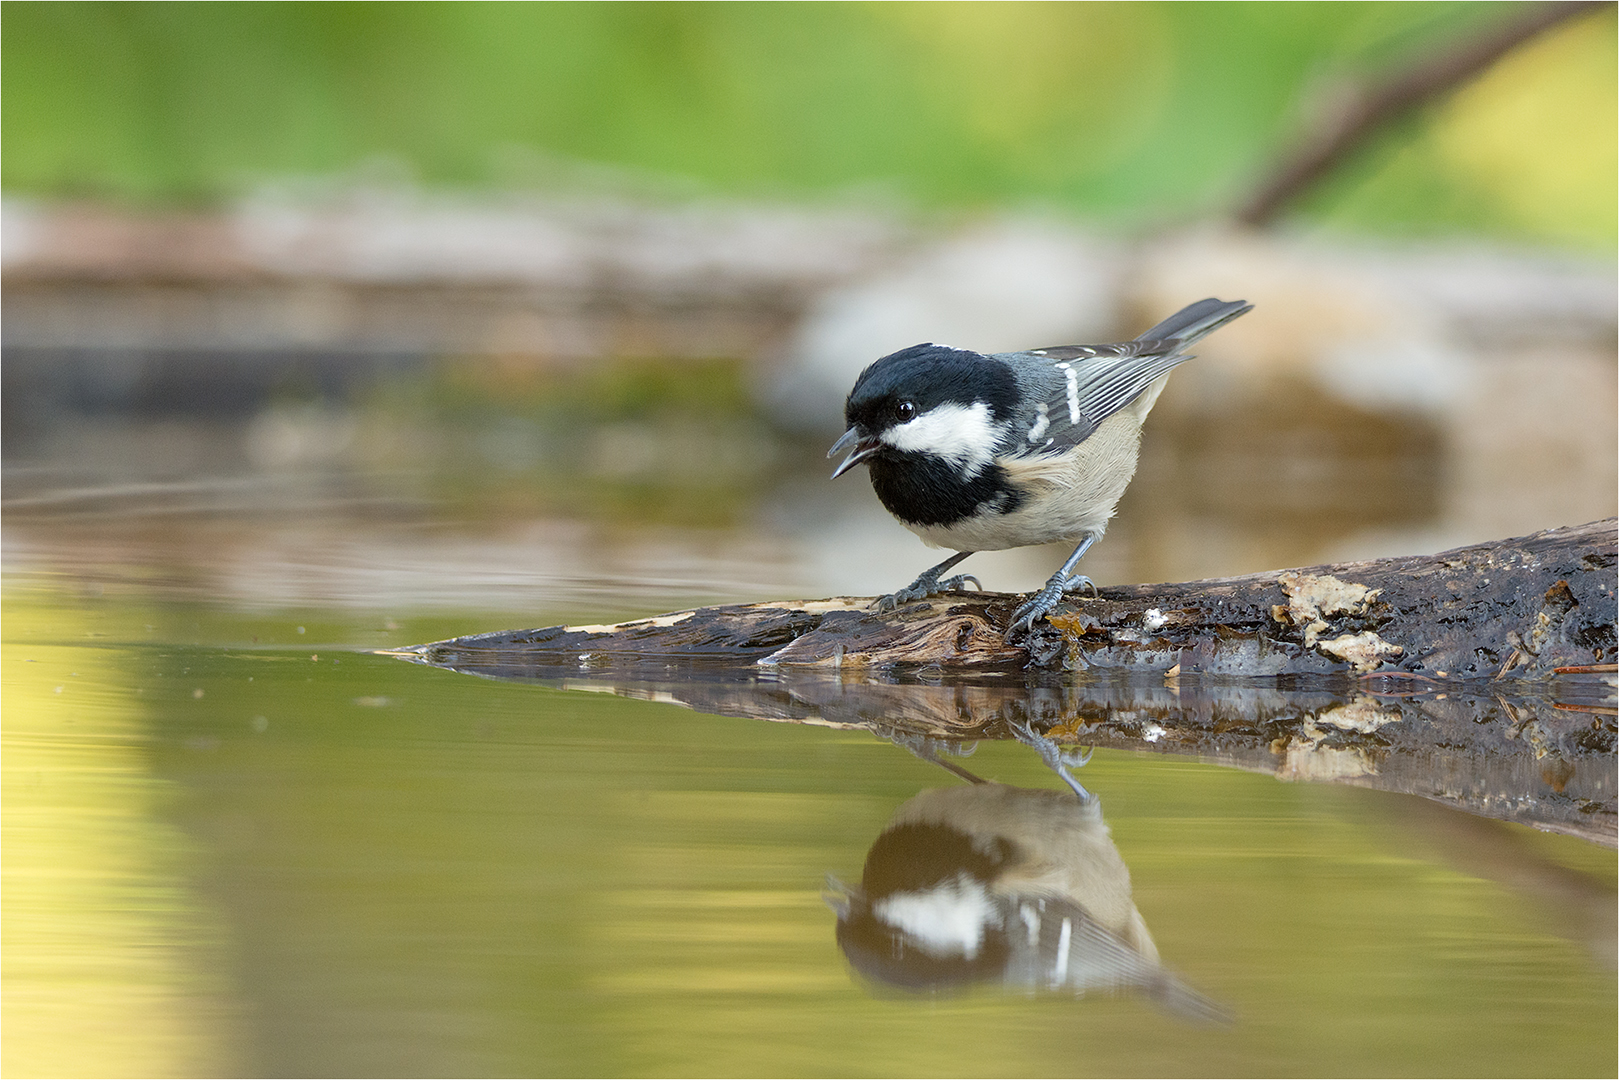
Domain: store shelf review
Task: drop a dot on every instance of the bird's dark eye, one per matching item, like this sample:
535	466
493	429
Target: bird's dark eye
904	411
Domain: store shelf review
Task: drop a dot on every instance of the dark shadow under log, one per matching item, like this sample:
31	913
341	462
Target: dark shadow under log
1481	677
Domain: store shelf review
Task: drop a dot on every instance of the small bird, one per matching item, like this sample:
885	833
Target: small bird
986	452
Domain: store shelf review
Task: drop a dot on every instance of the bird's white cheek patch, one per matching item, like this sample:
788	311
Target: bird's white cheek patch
963	434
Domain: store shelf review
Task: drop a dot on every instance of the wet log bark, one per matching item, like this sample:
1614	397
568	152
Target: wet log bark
1509	610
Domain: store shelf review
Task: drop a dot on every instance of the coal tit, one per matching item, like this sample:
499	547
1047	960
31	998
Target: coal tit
985	452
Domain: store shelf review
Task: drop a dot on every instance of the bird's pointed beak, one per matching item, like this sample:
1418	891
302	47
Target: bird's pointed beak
863	448
838	896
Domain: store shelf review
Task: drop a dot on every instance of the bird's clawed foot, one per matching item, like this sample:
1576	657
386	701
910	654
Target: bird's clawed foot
1041	603
923	587
1056	758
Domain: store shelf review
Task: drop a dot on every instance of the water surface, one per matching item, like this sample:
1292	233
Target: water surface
238	844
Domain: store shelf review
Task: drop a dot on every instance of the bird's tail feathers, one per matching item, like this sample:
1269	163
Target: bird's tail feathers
1196	320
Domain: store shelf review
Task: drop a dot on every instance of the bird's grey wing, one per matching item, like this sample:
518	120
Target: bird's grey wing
1075	387
1056	944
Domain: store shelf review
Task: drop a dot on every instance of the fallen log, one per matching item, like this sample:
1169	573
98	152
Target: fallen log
1513	609
1492	690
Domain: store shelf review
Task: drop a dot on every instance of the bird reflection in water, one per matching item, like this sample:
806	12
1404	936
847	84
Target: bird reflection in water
988	884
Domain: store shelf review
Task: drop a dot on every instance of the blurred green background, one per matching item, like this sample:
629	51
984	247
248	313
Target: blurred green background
1138	113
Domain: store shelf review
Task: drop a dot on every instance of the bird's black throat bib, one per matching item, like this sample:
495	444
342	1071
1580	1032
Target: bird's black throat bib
924	489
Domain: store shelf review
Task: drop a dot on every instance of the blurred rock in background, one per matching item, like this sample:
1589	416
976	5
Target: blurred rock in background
1000	284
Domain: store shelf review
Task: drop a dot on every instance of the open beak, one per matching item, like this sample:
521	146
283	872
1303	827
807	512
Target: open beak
864	447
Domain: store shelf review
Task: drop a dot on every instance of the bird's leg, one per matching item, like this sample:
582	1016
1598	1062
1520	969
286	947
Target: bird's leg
926	585
1040	604
1056	759
931	750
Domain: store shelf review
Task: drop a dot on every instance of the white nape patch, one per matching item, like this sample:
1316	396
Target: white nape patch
1042	420
963	434
1072	376
948	919
1153	619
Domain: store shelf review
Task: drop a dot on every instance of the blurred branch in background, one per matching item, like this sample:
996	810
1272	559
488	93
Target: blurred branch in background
1362	111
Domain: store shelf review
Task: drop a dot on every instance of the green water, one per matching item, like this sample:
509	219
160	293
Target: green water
237	848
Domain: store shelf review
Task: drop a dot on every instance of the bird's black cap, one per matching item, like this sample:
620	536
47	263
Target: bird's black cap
928	375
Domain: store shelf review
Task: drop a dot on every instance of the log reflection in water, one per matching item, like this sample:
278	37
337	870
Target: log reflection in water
1538	752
